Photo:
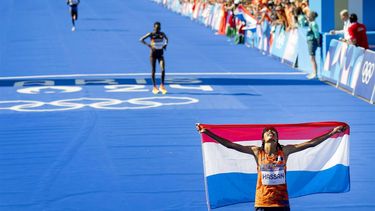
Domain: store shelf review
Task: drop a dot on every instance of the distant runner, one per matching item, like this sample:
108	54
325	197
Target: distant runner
73	11
158	44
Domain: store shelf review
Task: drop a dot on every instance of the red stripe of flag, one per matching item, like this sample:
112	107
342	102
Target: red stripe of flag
253	132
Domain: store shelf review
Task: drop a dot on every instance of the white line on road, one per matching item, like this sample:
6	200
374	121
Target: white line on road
147	74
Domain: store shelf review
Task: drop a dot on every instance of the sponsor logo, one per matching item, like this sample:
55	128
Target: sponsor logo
367	72
41	88
95	103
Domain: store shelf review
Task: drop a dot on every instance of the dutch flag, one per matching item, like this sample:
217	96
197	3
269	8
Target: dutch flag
231	176
244	15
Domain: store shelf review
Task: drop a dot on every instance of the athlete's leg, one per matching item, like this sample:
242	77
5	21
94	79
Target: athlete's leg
74	25
72	15
162	69
153	70
155	89
76	14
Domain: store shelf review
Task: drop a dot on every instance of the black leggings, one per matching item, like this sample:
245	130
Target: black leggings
157	55
74	11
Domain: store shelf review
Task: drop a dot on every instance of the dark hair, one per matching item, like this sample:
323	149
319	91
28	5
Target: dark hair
278	147
298	11
353	18
157	23
315	14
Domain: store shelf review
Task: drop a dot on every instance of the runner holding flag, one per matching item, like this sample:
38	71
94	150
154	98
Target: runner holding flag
271	159
158	44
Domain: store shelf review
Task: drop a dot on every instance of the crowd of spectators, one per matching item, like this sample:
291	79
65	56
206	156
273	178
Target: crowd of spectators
289	14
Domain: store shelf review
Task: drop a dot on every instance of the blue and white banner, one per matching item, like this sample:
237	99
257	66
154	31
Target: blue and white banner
334	62
231	176
279	42
290	53
351	67
365	86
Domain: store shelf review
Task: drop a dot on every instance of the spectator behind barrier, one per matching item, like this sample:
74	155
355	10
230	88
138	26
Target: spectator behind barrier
268	13
240	37
312	37
281	17
357	32
231	22
305	7
231	26
344	15
290	17
301	17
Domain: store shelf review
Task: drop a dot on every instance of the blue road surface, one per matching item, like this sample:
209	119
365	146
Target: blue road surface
81	130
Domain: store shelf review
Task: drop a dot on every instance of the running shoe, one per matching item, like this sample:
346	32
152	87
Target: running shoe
163	90
73	28
155	90
311	76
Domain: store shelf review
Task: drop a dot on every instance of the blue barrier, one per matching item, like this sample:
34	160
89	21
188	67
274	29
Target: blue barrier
327	38
365	86
279	43
351	67
291	49
285	44
334	61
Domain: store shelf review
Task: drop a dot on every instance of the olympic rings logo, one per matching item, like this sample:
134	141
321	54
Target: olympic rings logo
367	72
97	103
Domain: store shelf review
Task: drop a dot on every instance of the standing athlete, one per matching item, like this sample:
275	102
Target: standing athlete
271	158
158	44
73	4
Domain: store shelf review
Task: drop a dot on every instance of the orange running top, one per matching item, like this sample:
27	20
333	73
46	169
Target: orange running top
271	190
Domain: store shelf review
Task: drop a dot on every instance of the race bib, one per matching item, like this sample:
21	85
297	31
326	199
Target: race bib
73	1
274	176
158	43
